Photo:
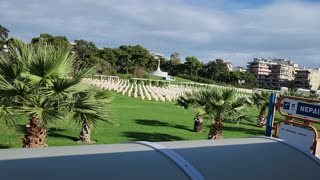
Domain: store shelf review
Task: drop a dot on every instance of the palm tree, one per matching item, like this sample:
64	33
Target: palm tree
87	109
261	100
219	105
34	82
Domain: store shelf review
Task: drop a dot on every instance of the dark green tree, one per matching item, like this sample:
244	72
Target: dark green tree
250	80
216	70
4	33
87	54
107	61
140	57
193	64
173	62
56	41
124	62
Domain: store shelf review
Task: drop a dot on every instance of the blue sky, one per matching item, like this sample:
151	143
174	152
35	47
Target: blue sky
235	30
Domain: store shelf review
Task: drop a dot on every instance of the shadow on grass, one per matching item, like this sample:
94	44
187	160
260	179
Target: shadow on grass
148	122
151	122
153	137
245	130
255	132
3	146
21	128
54	132
253	124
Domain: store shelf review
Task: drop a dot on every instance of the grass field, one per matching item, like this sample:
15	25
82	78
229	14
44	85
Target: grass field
138	120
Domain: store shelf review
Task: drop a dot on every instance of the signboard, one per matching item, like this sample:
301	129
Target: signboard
301	108
299	137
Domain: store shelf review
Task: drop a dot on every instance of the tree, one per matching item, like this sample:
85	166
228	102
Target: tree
107	61
179	69
250	80
140	57
123	53
56	41
87	54
87	109
4	33
164	63
261	100
175	58
219	105
193	64
34	82
216	70
173	62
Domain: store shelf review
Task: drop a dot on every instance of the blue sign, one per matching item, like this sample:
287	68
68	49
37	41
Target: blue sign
286	105
309	110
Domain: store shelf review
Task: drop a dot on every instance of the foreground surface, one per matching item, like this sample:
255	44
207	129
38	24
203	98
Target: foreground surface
248	158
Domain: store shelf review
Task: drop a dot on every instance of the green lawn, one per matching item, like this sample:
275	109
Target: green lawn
138	120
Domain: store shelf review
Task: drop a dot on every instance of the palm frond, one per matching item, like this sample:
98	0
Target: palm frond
48	63
21	52
47	110
71	84
9	69
4	84
240	118
8	115
87	108
238	103
186	100
228	94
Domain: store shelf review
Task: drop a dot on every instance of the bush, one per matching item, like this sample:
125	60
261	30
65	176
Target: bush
140	73
155	83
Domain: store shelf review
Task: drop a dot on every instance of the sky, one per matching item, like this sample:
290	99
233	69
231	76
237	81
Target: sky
234	30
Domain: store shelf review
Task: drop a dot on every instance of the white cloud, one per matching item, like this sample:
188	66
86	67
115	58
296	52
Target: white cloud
288	29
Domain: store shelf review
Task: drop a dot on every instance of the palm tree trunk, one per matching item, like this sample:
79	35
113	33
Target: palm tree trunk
85	134
36	134
198	124
263	119
216	130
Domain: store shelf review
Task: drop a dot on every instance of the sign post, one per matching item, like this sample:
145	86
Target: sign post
270	119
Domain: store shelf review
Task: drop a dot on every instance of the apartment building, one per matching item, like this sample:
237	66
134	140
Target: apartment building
241	69
273	73
260	68
279	76
307	79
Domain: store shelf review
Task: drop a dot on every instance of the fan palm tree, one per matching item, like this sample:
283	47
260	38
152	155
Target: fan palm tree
219	105
87	109
261	100
34	82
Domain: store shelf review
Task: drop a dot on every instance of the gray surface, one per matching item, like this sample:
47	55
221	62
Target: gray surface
250	158
119	161
247	158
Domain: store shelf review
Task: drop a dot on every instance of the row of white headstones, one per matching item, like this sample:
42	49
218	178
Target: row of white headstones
149	92
145	92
